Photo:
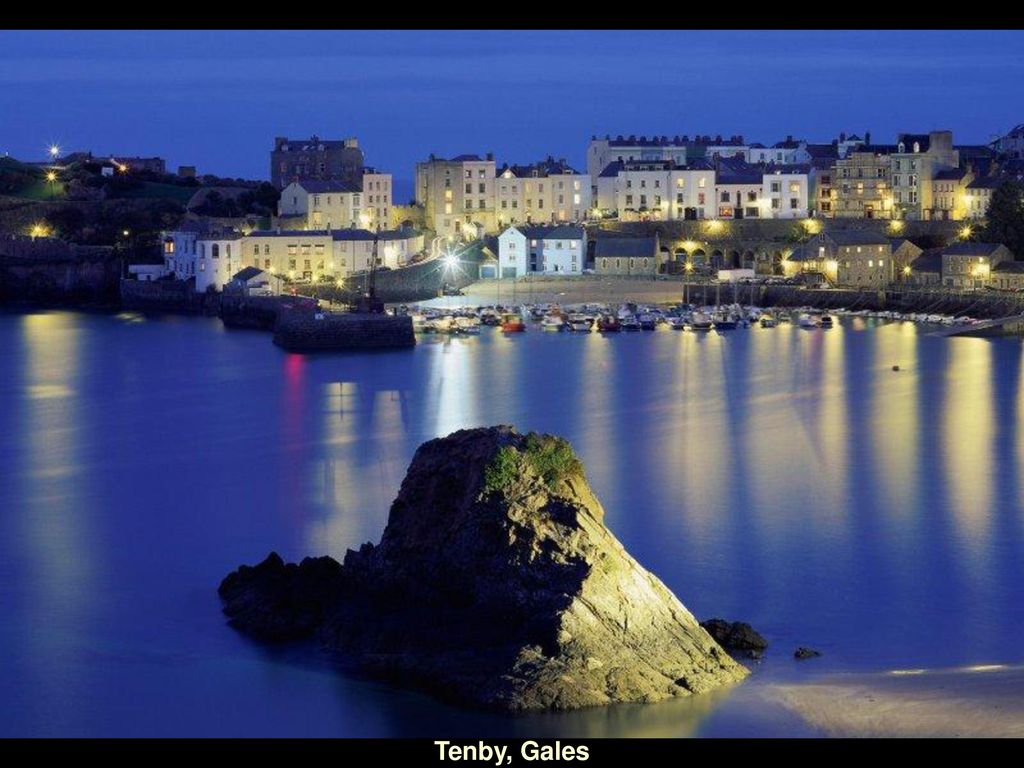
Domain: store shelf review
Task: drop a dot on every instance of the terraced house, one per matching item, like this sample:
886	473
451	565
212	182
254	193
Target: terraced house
457	194
546	191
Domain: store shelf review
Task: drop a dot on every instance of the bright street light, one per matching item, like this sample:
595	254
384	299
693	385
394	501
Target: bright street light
451	260
54	151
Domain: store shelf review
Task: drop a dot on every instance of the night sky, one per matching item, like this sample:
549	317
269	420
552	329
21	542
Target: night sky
217	99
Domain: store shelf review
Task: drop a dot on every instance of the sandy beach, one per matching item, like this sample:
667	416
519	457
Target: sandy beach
982	701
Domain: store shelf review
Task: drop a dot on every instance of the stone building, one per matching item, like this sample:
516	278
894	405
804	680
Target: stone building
315	159
967	266
847	259
546	191
1007	276
321	205
916	161
863	183
626	255
978	194
950	200
785	191
457	195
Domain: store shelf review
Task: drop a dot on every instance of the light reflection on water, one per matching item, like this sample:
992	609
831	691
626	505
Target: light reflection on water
786	477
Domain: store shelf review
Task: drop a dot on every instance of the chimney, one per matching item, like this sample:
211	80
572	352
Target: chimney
867	137
490	156
842	136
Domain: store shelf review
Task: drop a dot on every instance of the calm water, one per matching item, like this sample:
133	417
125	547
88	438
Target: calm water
789	478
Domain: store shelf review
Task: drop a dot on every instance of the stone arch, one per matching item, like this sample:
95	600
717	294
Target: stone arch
717	259
749	259
734	259
699	257
680	254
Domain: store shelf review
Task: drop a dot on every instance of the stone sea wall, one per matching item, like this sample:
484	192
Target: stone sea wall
167	296
302	332
79	277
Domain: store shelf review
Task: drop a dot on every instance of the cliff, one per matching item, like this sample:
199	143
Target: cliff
496	583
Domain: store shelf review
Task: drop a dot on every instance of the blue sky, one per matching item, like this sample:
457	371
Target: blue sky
216	99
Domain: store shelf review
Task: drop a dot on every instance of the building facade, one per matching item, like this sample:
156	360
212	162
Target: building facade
547	191
315	159
626	256
969	266
862	183
555	250
916	161
457	195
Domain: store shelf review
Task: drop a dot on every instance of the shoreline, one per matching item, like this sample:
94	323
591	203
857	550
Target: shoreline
977	701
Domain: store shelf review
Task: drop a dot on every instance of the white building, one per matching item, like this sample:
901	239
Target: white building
321	205
785	191
377	200
558	250
298	255
622	149
548	191
787	152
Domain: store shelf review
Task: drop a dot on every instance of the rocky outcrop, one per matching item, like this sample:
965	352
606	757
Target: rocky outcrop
805	653
495	583
736	636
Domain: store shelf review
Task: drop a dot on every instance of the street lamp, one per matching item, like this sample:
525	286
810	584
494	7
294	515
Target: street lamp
54	151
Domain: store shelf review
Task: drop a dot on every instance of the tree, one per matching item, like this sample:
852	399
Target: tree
1004	220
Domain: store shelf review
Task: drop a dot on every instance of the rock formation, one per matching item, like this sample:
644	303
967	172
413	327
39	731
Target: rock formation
736	636
495	583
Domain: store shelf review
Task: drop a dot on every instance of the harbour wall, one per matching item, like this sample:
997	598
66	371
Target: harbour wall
168	296
299	331
52	273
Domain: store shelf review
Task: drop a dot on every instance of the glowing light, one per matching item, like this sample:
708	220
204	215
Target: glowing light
39	229
689	266
54	151
364	219
714	226
451	260
906	270
965	232
896	225
811	226
125	232
51	176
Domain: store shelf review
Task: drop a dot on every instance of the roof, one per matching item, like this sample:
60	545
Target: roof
789	143
821	151
986	182
971	249
320	187
466	159
899	242
873	149
1013	267
550	232
247	274
611	170
731	175
293	233
626	247
540	169
930	260
802	253
950	174
790	168
854	237
313	143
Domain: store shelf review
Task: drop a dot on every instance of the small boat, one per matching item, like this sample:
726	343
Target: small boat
676	323
579	323
701	322
490	318
629	323
512	322
552	323
608	324
647	321
826	321
767	321
725	322
466	325
807	321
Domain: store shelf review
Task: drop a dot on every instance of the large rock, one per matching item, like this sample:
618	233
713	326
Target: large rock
495	583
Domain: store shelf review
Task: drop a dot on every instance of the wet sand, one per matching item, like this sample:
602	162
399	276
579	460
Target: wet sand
983	701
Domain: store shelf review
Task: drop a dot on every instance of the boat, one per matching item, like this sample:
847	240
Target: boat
512	322
826	321
701	322
629	323
807	321
579	323
465	325
676	323
552	323
608	324
490	318
767	321
725	322
647	321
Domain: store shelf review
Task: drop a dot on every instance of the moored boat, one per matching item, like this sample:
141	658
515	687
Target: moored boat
512	323
608	324
700	322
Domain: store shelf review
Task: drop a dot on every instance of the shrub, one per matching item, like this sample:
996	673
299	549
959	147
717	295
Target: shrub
502	471
552	458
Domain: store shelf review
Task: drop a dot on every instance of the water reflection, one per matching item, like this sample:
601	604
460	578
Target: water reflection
785	477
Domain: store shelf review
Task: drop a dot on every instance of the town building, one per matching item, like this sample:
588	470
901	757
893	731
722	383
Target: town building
862	183
785	192
787	152
844	258
1007	276
925	270
656	190
252	281
738	193
904	253
315	159
918	157
377	201
213	257
457	195
949	195
622	149
626	255
970	265
978	195
546	191
124	164
557	250
321	205
1012	144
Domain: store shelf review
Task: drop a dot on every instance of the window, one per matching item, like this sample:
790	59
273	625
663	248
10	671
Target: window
469	189
293	249
775	203
168	246
794	203
256	249
776	186
215	250
702	182
751	197
483	188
